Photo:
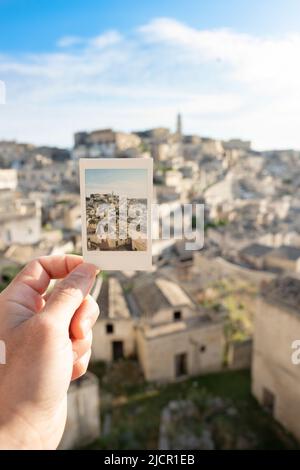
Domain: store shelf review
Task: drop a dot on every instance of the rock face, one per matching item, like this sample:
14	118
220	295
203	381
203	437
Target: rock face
206	423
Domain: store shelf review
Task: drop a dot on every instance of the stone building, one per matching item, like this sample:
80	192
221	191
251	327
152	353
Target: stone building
180	349
211	147
153	318
72	216
12	151
105	143
162	144
8	179
173	178
275	379
54	177
113	334
20	221
284	258
237	144
254	255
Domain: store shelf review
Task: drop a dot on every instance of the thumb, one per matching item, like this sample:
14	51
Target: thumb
68	295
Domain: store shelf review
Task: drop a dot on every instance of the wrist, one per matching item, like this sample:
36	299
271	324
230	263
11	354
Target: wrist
15	434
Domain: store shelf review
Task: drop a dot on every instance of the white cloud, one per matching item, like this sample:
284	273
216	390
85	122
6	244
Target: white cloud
252	59
225	83
107	39
2	92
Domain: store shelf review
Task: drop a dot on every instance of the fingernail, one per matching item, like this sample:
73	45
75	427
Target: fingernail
87	270
83	277
75	356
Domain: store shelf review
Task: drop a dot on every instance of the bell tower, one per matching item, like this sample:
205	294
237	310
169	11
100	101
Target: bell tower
179	125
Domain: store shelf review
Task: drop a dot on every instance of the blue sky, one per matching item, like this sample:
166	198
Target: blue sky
231	67
35	25
130	183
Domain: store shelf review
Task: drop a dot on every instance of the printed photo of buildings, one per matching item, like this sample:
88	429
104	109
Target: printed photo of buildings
116	209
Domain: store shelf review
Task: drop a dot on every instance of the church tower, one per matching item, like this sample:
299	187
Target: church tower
179	125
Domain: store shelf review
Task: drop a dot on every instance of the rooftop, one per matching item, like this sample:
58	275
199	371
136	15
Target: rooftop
111	301
145	298
149	294
174	294
256	250
201	321
102	300
287	252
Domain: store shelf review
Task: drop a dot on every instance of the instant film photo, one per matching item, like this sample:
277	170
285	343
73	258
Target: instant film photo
116	200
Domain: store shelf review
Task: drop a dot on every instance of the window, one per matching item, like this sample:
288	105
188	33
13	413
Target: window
202	348
177	315
8	236
109	328
180	365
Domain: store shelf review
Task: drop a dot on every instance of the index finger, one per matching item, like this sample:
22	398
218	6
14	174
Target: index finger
39	272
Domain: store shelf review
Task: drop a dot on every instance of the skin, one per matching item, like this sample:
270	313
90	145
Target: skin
48	343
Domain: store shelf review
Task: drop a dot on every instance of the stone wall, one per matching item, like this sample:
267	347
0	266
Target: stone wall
282	264
240	354
276	328
203	347
123	330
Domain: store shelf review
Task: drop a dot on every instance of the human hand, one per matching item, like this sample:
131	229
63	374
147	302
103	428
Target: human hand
48	343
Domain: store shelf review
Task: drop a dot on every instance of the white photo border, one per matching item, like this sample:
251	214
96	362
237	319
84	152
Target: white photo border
118	260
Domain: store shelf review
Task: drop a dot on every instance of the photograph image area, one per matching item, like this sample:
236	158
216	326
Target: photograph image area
116	209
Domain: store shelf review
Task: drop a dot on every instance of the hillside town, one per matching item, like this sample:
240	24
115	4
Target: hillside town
108	216
175	336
